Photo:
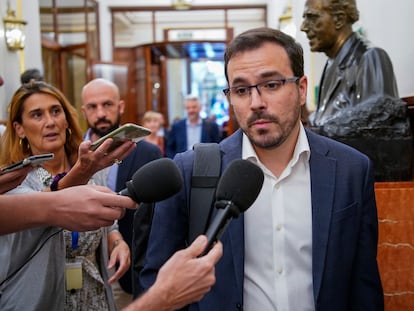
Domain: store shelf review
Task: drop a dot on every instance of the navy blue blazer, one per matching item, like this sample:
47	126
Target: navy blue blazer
177	136
143	153
344	232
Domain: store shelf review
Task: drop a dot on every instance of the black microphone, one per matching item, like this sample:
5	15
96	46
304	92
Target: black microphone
237	189
155	181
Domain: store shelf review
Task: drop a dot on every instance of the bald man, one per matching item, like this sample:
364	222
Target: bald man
102	108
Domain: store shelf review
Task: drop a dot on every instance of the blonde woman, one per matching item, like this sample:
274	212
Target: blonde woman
152	120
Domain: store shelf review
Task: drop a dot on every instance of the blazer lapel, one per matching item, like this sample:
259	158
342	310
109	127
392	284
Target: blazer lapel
123	171
323	179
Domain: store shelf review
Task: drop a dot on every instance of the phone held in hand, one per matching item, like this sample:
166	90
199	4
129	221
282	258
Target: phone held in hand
128	131
34	160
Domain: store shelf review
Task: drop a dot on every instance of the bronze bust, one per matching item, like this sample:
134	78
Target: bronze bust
358	100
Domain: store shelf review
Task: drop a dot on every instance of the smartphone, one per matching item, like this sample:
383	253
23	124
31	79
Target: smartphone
128	131
34	160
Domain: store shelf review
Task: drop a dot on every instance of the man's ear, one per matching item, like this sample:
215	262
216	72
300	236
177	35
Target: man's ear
83	111
121	107
340	19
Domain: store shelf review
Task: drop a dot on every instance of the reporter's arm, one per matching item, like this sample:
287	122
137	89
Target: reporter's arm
80	208
12	179
183	279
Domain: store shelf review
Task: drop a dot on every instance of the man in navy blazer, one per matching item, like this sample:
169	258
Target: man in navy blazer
309	241
102	108
191	130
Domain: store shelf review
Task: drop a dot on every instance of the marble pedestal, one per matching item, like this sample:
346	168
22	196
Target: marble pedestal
395	203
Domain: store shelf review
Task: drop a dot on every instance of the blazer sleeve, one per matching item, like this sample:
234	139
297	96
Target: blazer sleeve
169	228
366	288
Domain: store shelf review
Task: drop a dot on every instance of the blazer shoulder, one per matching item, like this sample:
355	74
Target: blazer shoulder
333	148
147	149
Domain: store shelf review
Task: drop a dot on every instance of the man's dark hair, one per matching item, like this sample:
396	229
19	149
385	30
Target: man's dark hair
255	38
31	74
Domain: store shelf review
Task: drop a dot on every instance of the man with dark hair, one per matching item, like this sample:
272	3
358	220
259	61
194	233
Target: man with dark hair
31	74
358	101
309	241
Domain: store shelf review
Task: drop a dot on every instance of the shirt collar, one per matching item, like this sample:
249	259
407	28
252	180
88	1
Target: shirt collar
302	147
199	122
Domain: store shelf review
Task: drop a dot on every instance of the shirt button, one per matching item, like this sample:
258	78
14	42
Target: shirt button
280	270
277	187
278	227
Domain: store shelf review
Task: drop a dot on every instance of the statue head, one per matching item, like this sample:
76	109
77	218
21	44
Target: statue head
328	23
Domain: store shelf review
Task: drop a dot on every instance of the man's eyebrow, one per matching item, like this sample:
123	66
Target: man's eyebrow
268	74
271	74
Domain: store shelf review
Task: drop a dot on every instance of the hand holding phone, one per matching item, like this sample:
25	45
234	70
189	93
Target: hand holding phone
34	160
128	131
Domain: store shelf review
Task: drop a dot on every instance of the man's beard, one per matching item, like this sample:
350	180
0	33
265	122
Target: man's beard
103	132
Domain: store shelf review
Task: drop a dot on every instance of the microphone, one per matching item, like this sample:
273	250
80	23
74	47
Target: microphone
237	189
155	181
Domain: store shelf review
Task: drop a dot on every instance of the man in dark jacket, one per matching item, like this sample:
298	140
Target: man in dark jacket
191	130
102	108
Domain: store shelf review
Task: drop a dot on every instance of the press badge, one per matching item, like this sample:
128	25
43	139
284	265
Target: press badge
73	272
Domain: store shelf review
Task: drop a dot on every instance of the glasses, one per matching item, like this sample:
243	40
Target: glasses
263	88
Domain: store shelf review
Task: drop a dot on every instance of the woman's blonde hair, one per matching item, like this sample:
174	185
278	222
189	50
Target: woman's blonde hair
150	115
13	149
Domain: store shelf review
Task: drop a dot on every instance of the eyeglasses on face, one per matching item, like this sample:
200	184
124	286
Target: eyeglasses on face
263	88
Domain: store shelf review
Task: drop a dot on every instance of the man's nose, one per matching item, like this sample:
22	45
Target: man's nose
256	100
101	111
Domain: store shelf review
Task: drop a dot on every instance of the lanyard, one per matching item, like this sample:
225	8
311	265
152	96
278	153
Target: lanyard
75	239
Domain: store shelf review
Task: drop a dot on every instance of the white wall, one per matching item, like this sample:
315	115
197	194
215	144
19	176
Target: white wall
12	63
388	24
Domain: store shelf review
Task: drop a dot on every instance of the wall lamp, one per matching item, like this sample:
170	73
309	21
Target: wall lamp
181	4
14	30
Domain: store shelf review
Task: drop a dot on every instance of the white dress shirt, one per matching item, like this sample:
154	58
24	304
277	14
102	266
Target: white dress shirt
193	133
278	236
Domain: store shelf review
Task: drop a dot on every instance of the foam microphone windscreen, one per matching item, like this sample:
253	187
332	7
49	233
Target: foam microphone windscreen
241	183
155	181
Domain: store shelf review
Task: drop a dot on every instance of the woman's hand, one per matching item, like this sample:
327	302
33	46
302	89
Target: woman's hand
120	255
93	161
89	162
